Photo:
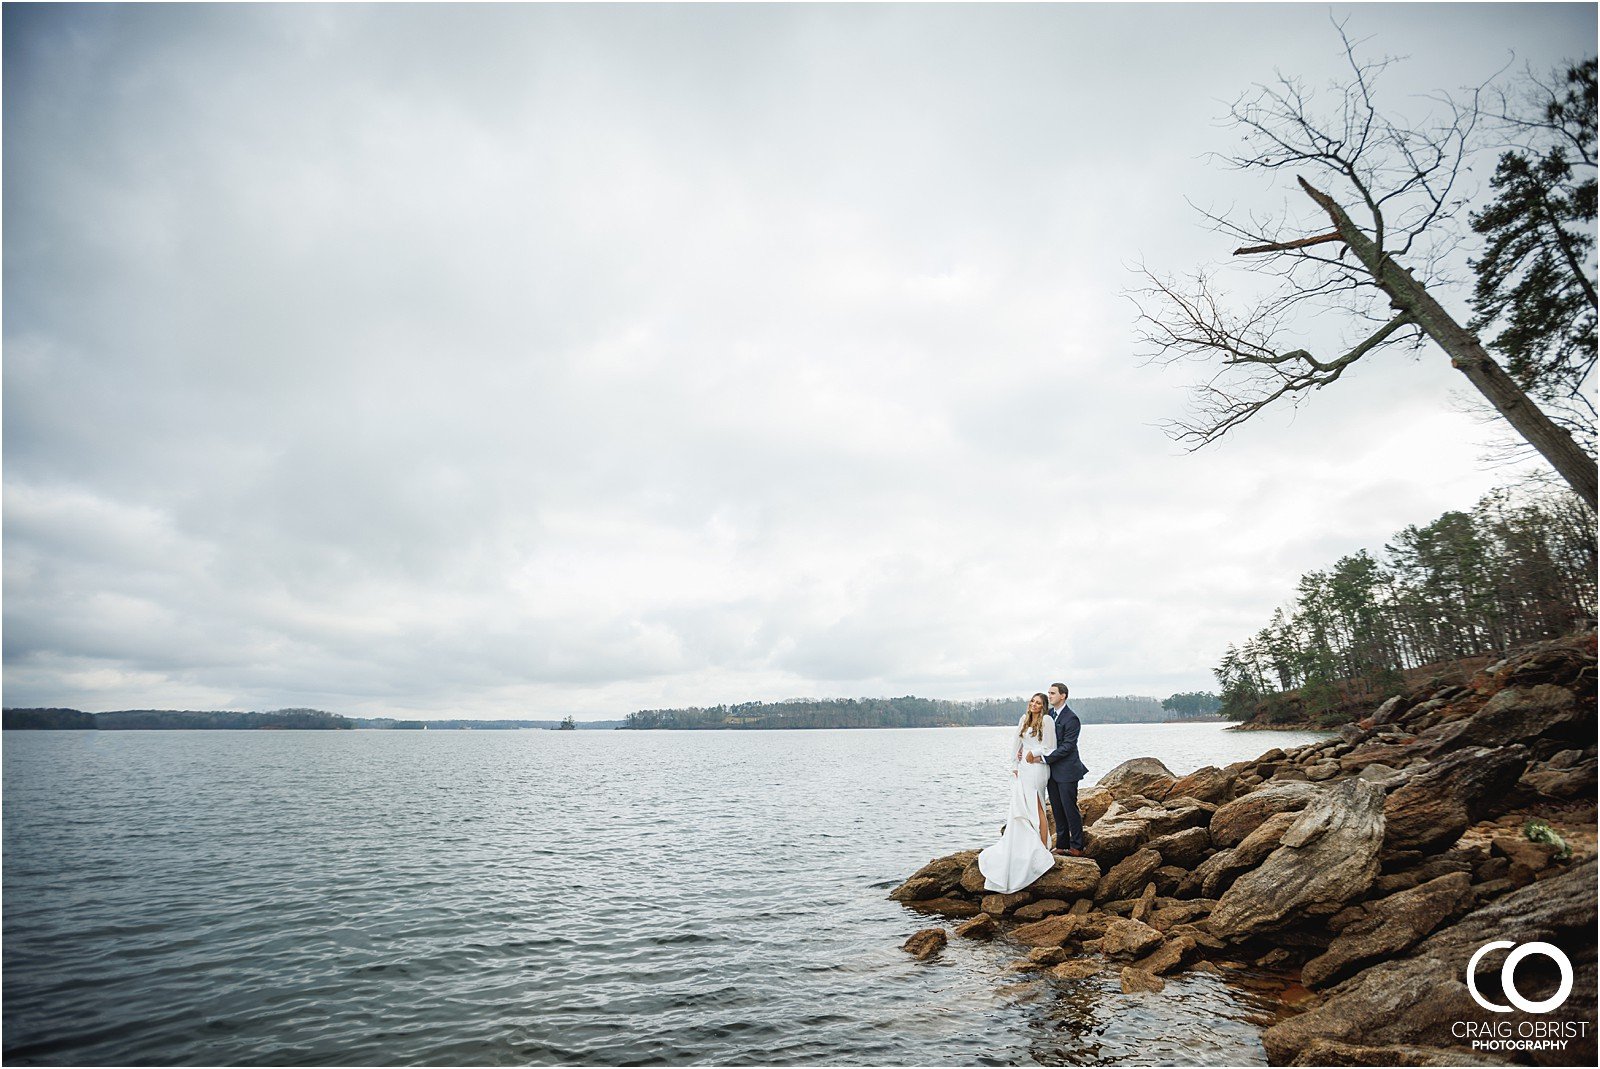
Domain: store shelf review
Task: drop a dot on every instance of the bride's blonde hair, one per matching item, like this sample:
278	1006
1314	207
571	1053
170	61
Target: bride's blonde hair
1033	723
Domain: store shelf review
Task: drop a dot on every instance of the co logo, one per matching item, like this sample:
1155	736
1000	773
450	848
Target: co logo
1508	973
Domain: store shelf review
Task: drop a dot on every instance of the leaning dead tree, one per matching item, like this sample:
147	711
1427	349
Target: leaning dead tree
1371	240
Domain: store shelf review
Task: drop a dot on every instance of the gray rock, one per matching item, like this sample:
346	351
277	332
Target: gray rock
1436	803
1419	999
1220	869
1391	925
1327	857
1520	714
1237	819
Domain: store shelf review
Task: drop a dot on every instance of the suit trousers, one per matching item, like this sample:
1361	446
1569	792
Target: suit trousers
1069	823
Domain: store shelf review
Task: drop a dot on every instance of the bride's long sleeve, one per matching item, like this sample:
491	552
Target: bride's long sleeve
1015	751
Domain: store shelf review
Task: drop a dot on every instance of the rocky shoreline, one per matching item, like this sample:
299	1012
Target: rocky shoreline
1369	866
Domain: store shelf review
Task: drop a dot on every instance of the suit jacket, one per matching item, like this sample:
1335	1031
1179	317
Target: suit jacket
1065	764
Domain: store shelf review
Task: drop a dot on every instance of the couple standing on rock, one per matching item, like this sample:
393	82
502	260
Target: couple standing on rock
1044	757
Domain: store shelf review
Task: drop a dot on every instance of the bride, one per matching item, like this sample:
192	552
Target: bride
1023	853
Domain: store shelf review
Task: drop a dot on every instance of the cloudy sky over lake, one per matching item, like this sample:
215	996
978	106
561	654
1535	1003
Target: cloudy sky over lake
514	361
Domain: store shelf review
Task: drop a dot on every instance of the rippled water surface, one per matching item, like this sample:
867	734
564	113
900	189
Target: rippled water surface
589	897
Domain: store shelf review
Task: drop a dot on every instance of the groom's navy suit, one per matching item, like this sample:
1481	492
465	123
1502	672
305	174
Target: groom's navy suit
1066	769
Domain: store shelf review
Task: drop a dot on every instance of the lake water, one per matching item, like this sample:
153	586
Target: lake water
583	898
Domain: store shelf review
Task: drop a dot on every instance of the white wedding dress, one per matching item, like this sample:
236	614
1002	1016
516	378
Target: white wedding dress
1020	857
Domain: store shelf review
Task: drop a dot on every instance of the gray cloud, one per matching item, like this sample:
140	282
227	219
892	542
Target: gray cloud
516	360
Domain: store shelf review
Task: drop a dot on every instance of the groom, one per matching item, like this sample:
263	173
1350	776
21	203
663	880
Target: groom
1065	772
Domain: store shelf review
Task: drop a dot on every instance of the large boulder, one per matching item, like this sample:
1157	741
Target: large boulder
1177	814
1237	819
1422	999
935	879
1327	857
1052	931
1216	872
1389	926
1436	804
1168	956
1070	878
1115	835
1093	803
1144	776
1521	714
1127	875
1209	784
1129	939
1186	848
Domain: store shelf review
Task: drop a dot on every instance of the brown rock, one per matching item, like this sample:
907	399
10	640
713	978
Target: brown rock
1417	1000
938	877
1141	910
1045	907
1178	814
1392	925
1137	980
1328	856
972	879
945	907
1526	857
1141	775
1000	905
1113	837
1048	955
1435	804
1093	803
1561	784
1050	932
1127	875
980	927
1167	957
1171	881
1209	784
1128	939
1164	917
1080	969
1219	870
926	943
1186	848
1200	936
1232	822
1071	877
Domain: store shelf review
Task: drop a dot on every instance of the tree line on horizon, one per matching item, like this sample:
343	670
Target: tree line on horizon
174	719
1518	568
910	712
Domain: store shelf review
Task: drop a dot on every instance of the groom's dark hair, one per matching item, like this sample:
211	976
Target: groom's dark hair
1062	687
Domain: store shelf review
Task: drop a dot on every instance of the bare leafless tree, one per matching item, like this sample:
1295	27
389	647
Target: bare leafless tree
1375	232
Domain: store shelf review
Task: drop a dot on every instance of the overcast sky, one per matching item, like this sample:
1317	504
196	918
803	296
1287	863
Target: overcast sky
515	361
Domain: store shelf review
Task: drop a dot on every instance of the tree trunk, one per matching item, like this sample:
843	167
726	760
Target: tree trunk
1467	355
